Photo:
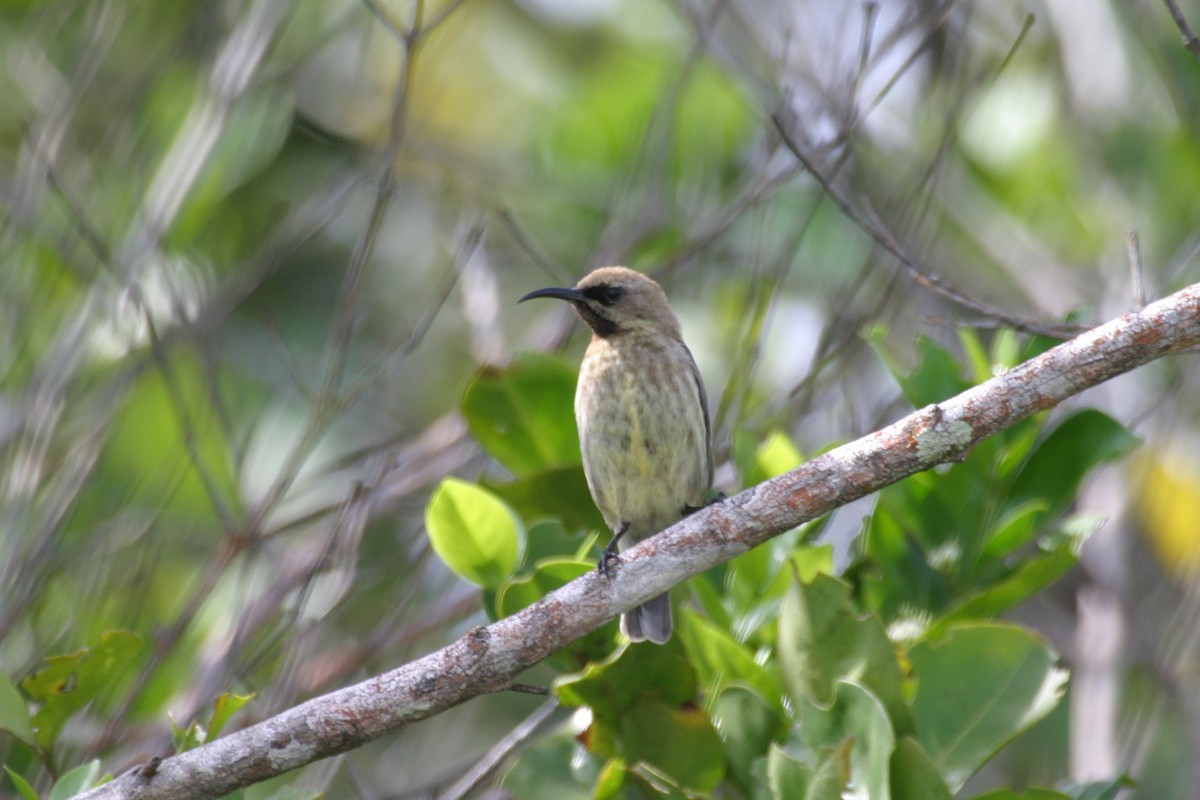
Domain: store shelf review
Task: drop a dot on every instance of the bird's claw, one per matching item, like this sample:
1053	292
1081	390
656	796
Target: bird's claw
608	561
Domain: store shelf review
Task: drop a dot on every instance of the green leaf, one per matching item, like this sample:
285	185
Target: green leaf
978	688
611	781
913	775
23	788
775	456
1030	577
75	781
549	539
14	713
224	707
551	771
977	358
748	723
822	641
1059	463
936	377
618	683
790	778
1016	529
720	660
857	716
680	742
473	532
614	686
548	575
1100	790
185	739
559	493
68	683
523	415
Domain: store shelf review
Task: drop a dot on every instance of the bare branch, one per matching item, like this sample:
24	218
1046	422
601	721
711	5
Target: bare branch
487	659
1190	40
870	223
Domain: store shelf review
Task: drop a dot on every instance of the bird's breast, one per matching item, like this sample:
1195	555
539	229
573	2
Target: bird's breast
643	433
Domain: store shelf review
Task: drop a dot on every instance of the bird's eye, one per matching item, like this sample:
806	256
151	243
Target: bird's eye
611	295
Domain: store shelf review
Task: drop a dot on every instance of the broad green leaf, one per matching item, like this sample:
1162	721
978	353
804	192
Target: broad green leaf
1100	790
68	683
977	357
678	741
913	775
186	738
856	716
1006	349
812	560
23	788
936	377
748	724
822	641
792	779
14	713
1016	529
611	781
976	689
1059	463
1031	576
474	532
613	687
224	707
551	771
75	781
776	455
523	415
550	539
756	581
558	492
720	660
618	683
548	575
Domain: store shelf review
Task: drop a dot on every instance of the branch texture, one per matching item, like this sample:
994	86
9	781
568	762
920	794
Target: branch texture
489	658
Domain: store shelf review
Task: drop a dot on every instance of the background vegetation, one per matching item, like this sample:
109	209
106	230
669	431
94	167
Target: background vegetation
259	262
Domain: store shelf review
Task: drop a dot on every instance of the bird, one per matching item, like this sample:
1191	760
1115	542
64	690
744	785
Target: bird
642	415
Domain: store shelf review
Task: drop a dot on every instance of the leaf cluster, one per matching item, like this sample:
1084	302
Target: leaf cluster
895	679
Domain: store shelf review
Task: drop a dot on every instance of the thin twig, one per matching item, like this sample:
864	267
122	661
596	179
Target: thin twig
500	752
1190	41
870	223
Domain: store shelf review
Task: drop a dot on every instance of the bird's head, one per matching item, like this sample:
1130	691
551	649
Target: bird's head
615	301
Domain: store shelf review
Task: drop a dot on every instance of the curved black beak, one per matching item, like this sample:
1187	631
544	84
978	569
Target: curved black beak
573	295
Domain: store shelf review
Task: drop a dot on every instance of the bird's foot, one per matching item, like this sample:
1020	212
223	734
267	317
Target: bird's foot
609	559
608	562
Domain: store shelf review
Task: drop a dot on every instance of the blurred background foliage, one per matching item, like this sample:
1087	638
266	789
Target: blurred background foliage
253	254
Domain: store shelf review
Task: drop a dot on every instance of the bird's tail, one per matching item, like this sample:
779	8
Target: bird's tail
651	620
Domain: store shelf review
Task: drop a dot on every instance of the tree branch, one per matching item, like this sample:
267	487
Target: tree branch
1190	41
488	659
